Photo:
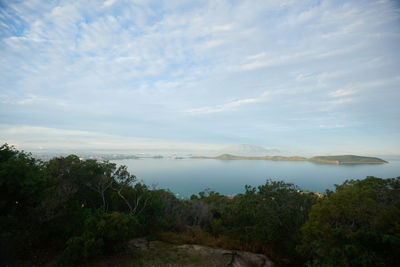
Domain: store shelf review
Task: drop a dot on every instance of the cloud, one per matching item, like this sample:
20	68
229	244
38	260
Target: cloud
342	92
143	67
109	3
228	106
34	138
256	61
256	56
213	43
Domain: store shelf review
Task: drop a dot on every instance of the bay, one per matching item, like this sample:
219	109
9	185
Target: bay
185	177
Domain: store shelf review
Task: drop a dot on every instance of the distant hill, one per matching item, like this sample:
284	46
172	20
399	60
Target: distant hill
340	159
248	150
275	158
347	159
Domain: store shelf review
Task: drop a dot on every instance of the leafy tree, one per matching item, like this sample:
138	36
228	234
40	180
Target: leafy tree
101	233
165	212
46	204
20	180
268	219
358	225
99	178
134	197
87	208
22	188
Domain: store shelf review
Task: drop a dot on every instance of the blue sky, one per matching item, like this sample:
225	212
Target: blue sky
299	76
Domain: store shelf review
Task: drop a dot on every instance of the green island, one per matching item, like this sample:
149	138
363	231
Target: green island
70	211
340	159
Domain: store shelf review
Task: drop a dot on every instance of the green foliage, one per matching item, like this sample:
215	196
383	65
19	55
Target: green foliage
20	180
81	248
82	182
358	225
270	218
163	212
84	208
22	188
266	219
116	229
216	227
46	204
102	233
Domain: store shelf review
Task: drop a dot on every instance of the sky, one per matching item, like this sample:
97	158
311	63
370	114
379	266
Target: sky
298	76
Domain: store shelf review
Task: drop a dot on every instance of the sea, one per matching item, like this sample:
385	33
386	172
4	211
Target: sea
188	176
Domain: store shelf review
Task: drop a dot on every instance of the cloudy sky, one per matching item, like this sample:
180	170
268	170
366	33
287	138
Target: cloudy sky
311	76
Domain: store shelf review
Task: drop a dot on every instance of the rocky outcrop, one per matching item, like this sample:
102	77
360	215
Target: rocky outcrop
214	256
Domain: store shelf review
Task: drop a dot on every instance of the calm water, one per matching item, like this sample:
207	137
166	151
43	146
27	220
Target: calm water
189	176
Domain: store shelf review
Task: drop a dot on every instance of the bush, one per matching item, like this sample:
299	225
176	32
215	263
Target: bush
358	225
81	248
268	220
103	233
22	188
116	229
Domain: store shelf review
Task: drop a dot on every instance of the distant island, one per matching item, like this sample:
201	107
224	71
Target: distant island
339	159
248	150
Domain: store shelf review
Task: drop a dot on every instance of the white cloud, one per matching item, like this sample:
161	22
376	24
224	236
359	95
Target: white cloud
34	138
109	3
269	62
154	61
228	106
256	56
221	28
213	43
342	92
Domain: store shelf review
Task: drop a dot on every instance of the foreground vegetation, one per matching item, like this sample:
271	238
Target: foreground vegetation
70	211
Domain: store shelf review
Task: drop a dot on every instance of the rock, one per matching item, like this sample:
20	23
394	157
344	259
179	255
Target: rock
138	243
245	259
231	258
214	256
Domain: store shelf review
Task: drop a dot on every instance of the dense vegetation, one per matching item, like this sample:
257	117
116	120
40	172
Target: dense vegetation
72	210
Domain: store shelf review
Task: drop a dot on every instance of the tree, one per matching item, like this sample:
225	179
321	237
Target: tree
22	188
358	225
21	179
268	219
63	205
135	198
100	178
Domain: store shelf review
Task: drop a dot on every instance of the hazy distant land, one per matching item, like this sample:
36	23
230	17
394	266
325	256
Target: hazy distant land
248	150
236	152
339	159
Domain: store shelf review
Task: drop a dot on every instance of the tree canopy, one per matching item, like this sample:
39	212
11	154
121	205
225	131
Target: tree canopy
358	225
81	209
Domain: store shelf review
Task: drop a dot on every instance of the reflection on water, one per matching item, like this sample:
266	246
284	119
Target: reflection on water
190	176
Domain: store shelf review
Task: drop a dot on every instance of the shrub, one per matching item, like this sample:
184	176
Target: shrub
269	219
358	225
81	248
116	229
22	188
103	233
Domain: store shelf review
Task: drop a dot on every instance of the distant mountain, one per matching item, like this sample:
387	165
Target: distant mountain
340	159
248	150
347	159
